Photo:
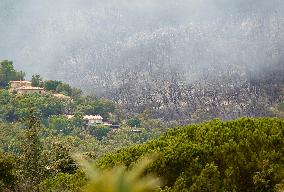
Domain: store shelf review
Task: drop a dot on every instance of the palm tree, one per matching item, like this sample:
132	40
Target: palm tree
120	179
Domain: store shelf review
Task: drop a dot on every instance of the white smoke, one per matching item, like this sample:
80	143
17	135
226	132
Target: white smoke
79	40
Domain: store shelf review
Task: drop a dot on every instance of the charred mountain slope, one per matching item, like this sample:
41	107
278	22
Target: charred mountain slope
198	72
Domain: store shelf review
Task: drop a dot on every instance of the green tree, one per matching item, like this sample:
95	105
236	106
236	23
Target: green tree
51	85
134	122
60	124
37	81
98	107
8	73
7	106
60	87
64	182
59	158
208	180
240	155
64	88
31	157
8	177
78	120
46	105
100	131
9	137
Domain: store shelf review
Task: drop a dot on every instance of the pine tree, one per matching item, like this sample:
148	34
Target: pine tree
31	157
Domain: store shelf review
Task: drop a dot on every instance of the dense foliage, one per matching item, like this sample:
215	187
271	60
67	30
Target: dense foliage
7	171
8	73
14	107
240	155
40	133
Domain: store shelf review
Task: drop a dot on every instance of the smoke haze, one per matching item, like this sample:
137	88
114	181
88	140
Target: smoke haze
90	43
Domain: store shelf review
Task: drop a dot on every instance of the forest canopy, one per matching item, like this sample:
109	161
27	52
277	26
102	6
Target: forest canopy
240	155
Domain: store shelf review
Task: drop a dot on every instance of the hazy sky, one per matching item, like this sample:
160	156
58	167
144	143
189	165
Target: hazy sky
49	37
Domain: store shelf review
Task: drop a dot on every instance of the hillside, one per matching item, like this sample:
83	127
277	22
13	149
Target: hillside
184	61
240	155
142	96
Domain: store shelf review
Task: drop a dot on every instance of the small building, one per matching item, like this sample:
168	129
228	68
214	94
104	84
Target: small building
29	90
18	84
93	119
